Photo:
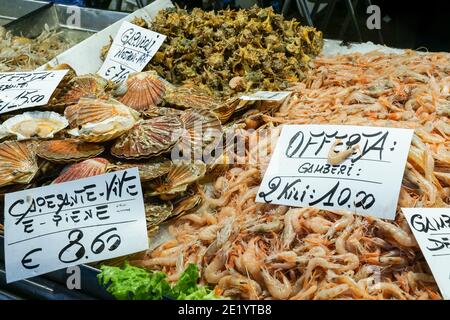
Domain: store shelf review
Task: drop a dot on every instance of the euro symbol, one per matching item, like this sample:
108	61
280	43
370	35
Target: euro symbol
26	260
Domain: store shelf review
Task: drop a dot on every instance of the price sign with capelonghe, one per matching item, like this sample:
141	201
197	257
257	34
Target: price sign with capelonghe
62	225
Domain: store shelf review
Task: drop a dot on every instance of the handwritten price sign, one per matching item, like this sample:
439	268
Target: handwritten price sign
19	90
367	181
132	48
63	225
431	227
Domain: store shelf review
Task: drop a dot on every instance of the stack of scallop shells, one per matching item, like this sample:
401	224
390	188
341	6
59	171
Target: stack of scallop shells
90	127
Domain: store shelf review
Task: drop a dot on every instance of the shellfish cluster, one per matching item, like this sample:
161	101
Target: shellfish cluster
90	127
21	53
231	51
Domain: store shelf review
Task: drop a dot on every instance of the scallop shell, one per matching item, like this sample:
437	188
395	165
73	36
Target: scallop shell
201	127
156	213
103	131
35	124
226	109
187	205
190	96
148	138
96	120
89	85
149	170
143	90
17	162
84	169
181	175
67	150
89	110
161	111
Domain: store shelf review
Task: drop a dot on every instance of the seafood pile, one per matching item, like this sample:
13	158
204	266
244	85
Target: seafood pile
204	212
88	129
23	54
250	250
232	51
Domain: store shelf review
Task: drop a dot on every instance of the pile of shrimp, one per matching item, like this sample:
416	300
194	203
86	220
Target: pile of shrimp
24	54
250	250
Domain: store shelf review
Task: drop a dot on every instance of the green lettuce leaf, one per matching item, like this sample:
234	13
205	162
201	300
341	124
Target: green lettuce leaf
133	283
187	283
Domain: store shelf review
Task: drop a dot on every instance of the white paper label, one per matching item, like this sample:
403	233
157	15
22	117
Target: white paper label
431	227
66	224
19	90
132	48
367	182
267	96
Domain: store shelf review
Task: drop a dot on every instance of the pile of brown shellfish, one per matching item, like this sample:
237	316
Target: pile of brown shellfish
231	51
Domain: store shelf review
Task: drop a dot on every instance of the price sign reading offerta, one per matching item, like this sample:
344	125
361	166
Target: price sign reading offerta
431	227
132	48
267	96
19	90
63	225
333	167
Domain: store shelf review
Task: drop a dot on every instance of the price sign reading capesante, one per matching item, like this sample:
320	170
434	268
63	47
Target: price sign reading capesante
19	90
305	170
132	48
62	225
267	96
431	227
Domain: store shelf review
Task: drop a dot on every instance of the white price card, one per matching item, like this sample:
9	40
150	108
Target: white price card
132	48
431	227
337	167
19	90
267	96
62	225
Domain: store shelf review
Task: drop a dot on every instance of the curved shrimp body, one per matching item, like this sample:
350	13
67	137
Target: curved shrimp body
239	285
389	290
251	260
331	293
335	158
305	294
278	289
396	233
387	261
209	233
318	224
222	236
346	219
213	272
290	221
351	261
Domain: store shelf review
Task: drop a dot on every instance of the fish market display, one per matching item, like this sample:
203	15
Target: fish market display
138	284
249	250
18	162
142	90
20	53
232	51
203	223
31	124
67	150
